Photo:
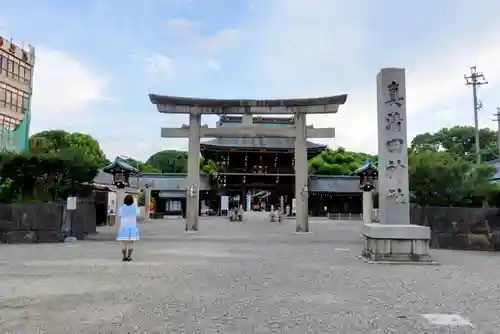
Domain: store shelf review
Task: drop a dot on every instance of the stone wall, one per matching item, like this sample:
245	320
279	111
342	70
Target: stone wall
460	228
41	223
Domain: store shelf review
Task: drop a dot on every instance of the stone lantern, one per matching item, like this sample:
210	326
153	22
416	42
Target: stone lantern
121	171
368	177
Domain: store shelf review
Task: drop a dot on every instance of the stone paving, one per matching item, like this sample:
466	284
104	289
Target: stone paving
250	277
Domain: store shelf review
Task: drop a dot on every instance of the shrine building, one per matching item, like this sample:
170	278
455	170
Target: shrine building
256	173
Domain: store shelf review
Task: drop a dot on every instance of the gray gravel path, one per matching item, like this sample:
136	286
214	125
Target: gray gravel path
254	277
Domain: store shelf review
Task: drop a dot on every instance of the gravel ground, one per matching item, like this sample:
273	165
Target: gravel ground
251	277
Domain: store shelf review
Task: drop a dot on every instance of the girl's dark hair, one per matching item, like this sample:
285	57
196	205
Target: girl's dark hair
129	200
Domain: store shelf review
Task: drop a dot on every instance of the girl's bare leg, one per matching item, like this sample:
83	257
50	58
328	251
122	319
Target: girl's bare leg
124	249
130	249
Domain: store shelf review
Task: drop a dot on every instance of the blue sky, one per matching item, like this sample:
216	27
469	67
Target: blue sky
98	59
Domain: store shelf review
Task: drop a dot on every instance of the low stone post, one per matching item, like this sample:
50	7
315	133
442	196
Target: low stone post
367	207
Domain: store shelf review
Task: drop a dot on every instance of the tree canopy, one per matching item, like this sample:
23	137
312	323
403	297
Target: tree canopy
43	177
57	141
169	161
338	162
444	179
459	140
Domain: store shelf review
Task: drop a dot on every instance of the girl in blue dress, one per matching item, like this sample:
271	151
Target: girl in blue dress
128	231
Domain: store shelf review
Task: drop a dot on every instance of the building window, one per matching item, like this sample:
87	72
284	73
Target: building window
24	74
3	64
13	99
14	68
26	103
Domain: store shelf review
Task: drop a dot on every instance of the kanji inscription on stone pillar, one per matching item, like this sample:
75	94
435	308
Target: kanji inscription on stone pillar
392	147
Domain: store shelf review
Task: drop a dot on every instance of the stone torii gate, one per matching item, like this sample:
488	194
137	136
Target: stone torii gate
195	107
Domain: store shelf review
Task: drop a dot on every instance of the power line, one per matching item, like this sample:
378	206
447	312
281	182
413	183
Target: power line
476	79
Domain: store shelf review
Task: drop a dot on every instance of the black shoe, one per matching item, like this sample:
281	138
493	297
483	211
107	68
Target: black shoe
125	259
129	259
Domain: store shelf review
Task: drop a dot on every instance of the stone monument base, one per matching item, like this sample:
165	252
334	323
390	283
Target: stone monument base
397	244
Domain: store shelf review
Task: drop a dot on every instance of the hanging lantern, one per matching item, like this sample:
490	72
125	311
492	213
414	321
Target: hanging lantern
1	41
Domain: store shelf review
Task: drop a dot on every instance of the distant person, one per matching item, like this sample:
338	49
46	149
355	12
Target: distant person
128	231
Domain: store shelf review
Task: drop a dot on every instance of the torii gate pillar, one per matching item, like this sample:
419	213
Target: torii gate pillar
193	169
301	173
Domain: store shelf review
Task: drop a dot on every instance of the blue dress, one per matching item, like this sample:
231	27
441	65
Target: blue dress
128	223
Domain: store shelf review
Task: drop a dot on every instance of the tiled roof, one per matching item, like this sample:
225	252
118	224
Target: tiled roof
218	103
365	167
257	143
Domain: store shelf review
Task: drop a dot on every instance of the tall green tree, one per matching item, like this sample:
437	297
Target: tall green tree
169	161
442	178
56	141
459	140
43	177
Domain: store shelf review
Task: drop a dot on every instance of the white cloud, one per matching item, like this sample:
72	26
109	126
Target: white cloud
159	64
218	42
190	34
289	48
138	146
182	25
213	65
64	91
325	47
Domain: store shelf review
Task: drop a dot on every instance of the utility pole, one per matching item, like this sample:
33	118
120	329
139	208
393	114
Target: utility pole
476	79
497	119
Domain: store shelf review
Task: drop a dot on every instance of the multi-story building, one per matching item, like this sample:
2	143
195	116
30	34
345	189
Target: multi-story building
16	86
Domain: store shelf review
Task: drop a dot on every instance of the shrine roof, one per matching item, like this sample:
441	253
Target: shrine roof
368	165
119	164
231	103
257	143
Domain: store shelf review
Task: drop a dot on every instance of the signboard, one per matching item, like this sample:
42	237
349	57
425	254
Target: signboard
111	203
71	204
172	194
224	202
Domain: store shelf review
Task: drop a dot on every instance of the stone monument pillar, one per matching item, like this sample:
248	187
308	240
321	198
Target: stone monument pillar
301	173
193	169
367	206
120	197
394	239
147	202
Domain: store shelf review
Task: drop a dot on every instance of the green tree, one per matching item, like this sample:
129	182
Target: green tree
209	167
442	178
338	162
147	168
169	161
459	140
43	177
56	141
